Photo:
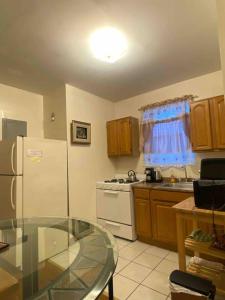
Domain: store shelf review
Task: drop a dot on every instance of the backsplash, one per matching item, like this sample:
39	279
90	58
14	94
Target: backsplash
123	164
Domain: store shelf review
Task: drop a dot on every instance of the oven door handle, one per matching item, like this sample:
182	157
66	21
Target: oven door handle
111	192
112	224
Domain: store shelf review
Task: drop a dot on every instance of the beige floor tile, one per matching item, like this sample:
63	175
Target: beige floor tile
148	260
135	272
157	251
158	281
167	266
173	256
122	263
144	293
129	252
138	245
122	242
123	287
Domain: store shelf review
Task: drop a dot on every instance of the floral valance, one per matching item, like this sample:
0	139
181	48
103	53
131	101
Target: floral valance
166	113
166	102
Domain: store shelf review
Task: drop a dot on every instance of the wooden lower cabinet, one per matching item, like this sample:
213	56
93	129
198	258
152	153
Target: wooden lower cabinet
143	219
143	214
164	216
155	217
164	221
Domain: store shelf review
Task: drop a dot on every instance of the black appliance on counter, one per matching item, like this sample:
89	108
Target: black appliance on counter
149	172
212	168
152	175
209	191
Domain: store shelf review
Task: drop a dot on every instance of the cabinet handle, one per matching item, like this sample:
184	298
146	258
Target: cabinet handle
111	192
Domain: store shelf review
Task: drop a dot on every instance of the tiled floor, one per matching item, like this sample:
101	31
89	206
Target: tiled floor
142	271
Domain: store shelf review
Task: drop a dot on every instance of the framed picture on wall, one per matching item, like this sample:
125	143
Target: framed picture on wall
80	132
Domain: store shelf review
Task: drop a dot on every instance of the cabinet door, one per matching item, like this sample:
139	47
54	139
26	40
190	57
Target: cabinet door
164	216
164	221
112	138
218	121
125	136
143	219
201	126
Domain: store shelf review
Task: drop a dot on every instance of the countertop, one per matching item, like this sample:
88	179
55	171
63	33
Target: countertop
188	206
161	186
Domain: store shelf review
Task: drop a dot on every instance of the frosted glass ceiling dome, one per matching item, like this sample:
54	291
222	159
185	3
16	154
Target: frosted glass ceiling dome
108	44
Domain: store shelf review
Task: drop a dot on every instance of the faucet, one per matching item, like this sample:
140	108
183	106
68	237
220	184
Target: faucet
185	173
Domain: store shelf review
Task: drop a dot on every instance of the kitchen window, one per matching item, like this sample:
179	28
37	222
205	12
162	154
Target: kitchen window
165	134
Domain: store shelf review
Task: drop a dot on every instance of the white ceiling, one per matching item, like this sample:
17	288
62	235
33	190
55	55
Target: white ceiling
43	43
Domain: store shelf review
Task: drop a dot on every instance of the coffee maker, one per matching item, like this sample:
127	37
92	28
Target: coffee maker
152	175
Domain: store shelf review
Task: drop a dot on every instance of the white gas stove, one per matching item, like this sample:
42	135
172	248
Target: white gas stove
115	207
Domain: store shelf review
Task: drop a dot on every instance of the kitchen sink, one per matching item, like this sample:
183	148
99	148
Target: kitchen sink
177	185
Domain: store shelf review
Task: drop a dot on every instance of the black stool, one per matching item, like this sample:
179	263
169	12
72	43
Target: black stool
193	283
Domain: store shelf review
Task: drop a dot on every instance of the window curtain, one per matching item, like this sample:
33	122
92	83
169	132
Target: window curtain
165	135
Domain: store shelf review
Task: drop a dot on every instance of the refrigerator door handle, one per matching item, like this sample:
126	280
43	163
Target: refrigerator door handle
11	196
12	158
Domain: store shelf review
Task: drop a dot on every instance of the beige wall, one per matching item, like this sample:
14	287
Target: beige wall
87	163
221	30
55	102
22	105
203	86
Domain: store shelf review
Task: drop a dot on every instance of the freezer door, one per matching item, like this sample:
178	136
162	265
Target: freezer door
45	178
11	155
10	197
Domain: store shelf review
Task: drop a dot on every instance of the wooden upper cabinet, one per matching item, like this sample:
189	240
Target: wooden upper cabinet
112	138
123	137
207	124
218	121
201	137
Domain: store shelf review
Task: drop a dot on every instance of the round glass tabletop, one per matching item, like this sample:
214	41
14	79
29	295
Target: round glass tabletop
55	259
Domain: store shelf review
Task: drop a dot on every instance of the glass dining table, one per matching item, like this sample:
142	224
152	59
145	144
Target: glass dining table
55	259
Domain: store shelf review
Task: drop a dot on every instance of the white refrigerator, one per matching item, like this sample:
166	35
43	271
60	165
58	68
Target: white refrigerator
33	178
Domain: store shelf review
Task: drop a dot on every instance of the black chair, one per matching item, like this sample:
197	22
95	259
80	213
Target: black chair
193	283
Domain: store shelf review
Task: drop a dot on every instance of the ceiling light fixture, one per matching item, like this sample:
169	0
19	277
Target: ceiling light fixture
108	44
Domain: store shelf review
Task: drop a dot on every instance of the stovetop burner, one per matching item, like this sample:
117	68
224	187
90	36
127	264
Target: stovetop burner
120	180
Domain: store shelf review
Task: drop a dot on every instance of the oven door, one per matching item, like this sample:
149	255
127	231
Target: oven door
116	206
